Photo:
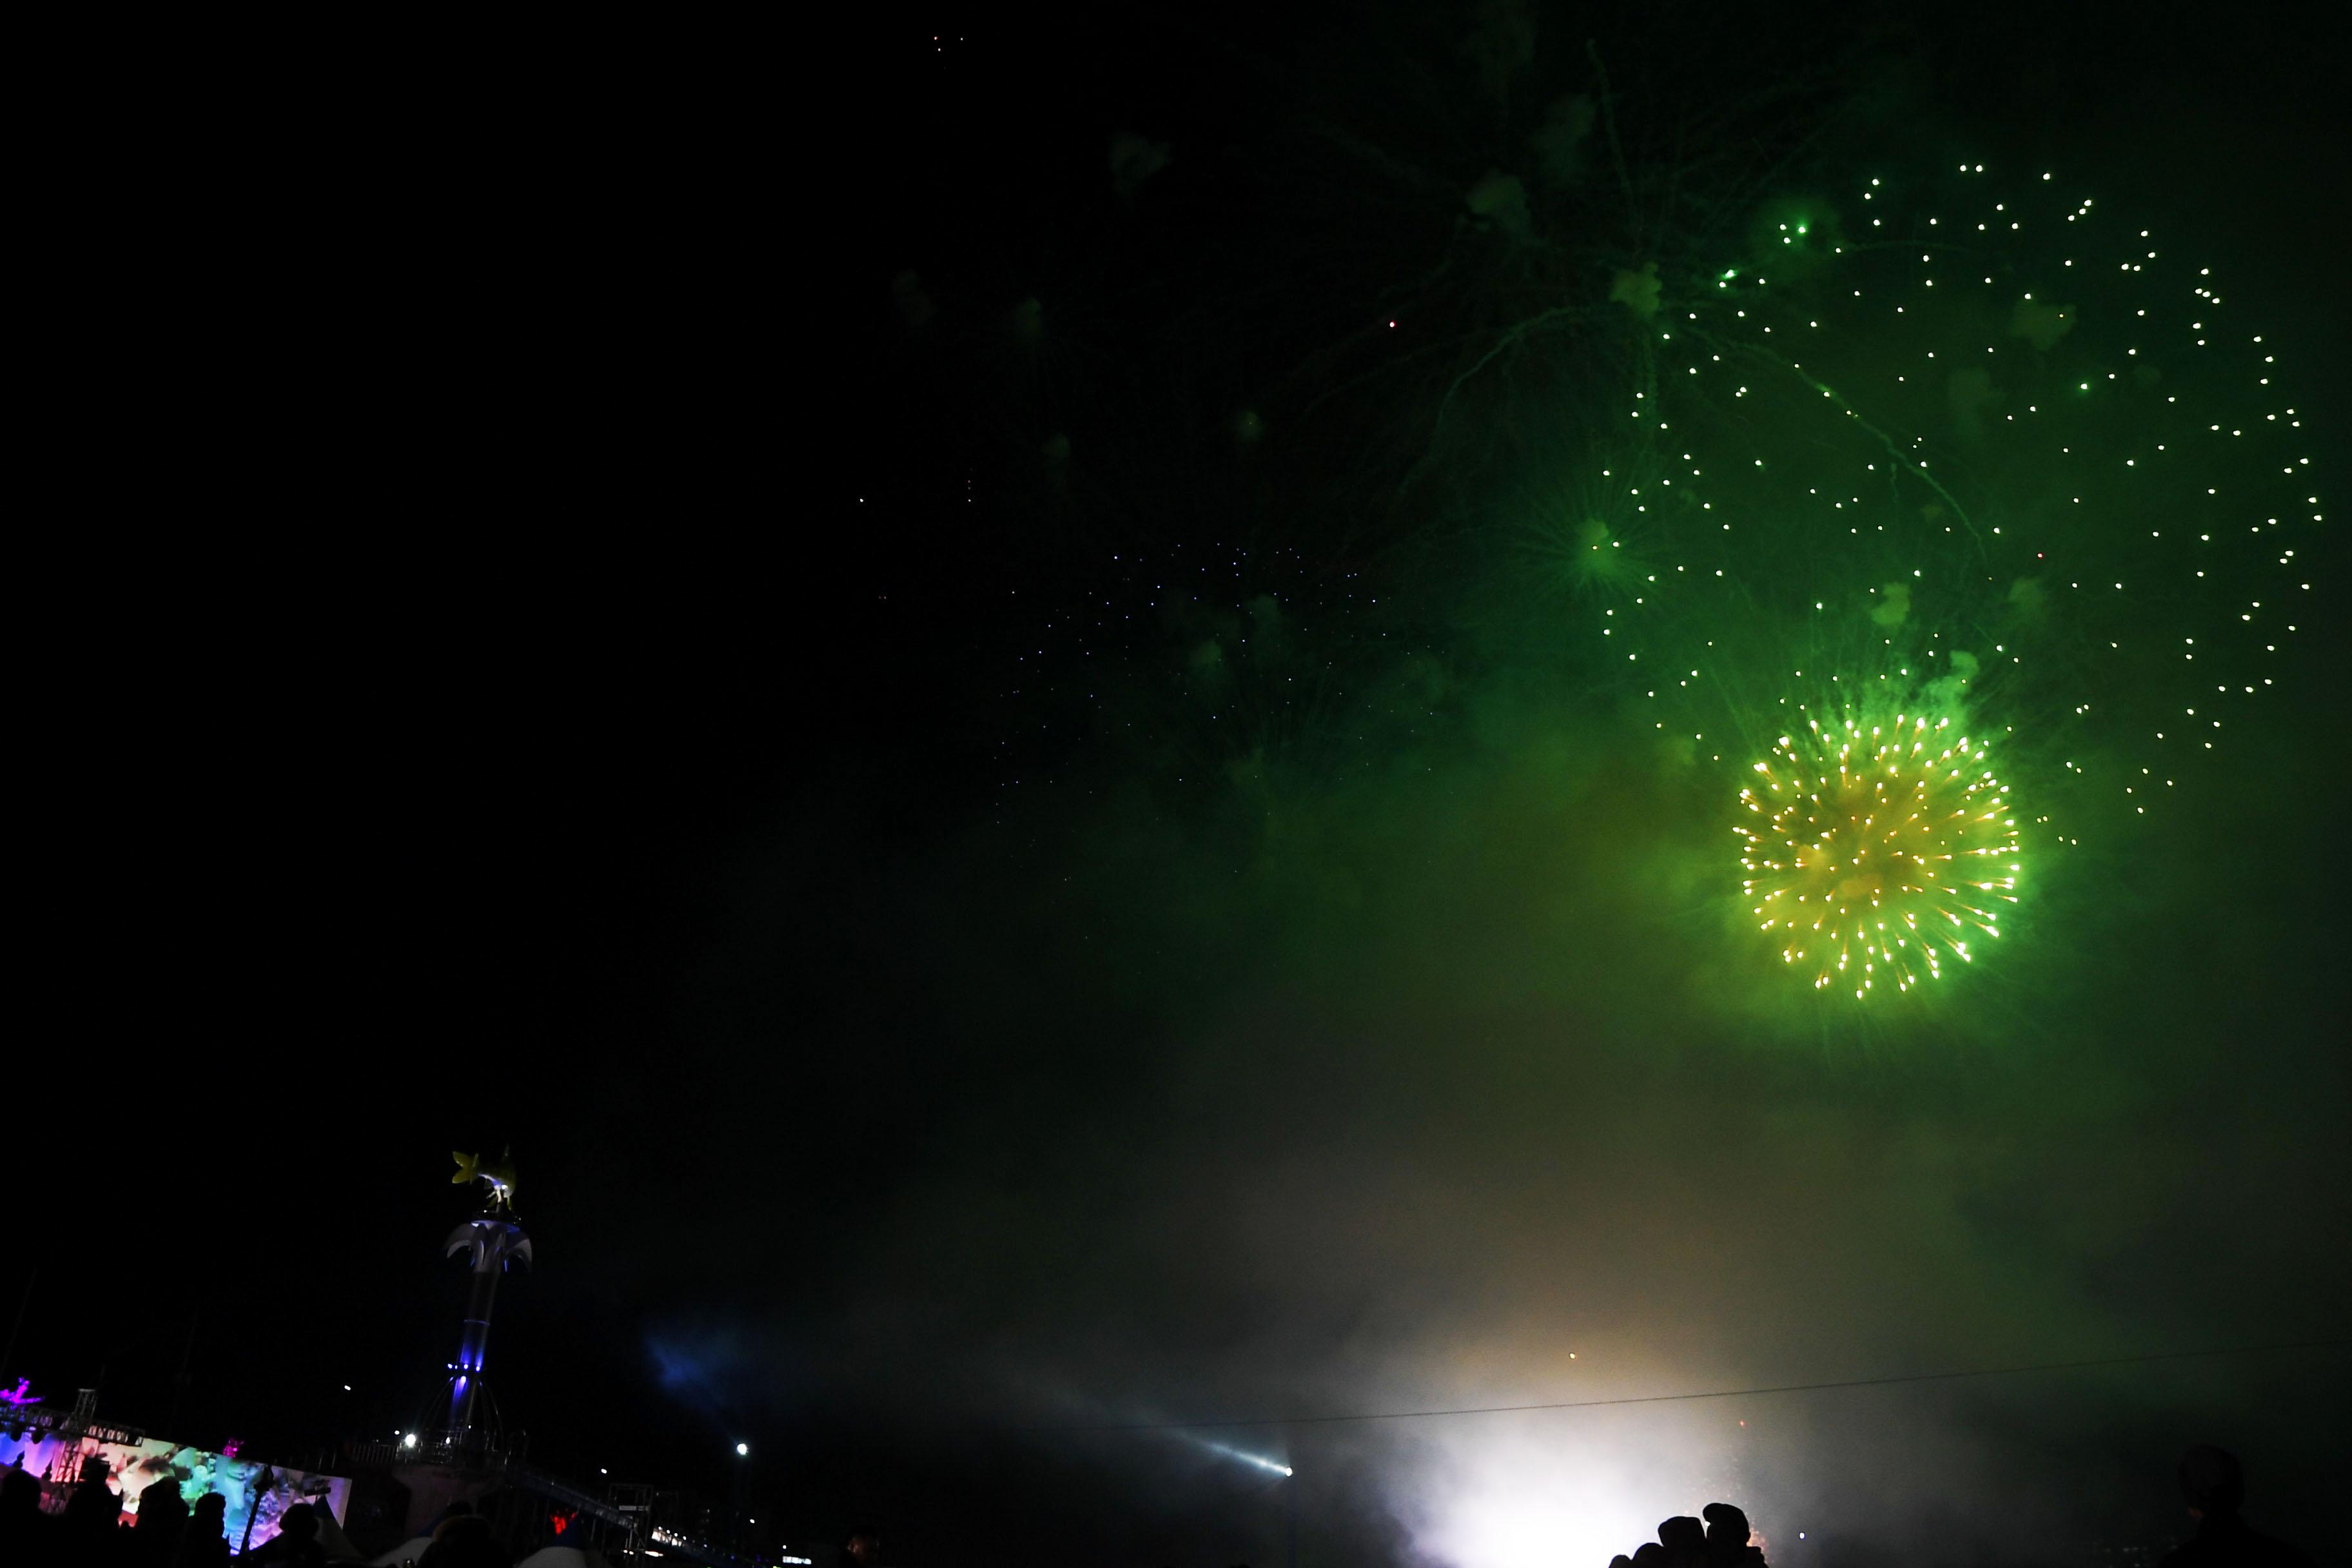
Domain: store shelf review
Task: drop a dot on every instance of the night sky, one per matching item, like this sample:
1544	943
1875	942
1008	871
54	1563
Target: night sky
868	648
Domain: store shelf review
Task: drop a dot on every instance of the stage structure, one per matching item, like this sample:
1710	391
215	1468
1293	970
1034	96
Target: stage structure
52	1444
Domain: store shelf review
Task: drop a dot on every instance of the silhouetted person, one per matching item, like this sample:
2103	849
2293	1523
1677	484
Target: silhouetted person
1727	1538
93	1518
1683	1543
203	1542
2214	1485
26	1534
163	1520
296	1544
1685	1540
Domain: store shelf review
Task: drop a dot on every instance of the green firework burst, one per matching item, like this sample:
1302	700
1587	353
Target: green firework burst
1875	851
1962	446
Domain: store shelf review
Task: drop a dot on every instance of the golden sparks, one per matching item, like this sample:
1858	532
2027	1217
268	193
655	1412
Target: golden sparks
1873	852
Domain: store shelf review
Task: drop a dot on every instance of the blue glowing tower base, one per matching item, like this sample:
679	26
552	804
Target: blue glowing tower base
490	1239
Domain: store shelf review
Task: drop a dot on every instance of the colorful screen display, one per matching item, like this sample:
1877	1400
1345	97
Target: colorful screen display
138	1466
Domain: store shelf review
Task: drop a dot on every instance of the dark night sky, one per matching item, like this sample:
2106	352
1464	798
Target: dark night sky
509	658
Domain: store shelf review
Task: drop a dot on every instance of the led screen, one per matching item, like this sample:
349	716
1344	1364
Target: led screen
138	1466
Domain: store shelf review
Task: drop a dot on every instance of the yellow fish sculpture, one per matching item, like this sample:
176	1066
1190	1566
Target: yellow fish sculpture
500	1175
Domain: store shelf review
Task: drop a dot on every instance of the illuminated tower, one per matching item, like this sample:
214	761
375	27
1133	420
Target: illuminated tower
490	1240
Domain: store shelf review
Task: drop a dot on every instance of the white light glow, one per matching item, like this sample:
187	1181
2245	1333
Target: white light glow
1275	1467
1548	1491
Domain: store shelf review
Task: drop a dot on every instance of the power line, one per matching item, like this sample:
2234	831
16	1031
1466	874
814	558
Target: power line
1709	1394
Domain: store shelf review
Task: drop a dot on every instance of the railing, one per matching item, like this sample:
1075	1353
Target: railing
676	1543
443	1450
472	1451
572	1497
450	1450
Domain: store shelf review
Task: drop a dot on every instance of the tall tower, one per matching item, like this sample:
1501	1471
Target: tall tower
490	1240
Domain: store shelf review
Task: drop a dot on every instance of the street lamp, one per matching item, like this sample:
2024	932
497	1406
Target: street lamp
743	1455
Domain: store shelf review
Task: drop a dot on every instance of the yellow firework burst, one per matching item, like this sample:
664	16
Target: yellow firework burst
1872	851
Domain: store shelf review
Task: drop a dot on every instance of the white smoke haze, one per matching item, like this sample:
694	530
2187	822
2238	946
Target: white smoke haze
1430	1100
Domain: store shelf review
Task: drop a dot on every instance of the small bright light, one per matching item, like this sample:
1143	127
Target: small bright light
742	1450
409	1441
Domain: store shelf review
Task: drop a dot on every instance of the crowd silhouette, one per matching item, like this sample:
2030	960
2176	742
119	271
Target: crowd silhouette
2212	1488
88	1532
166	1531
1721	1541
